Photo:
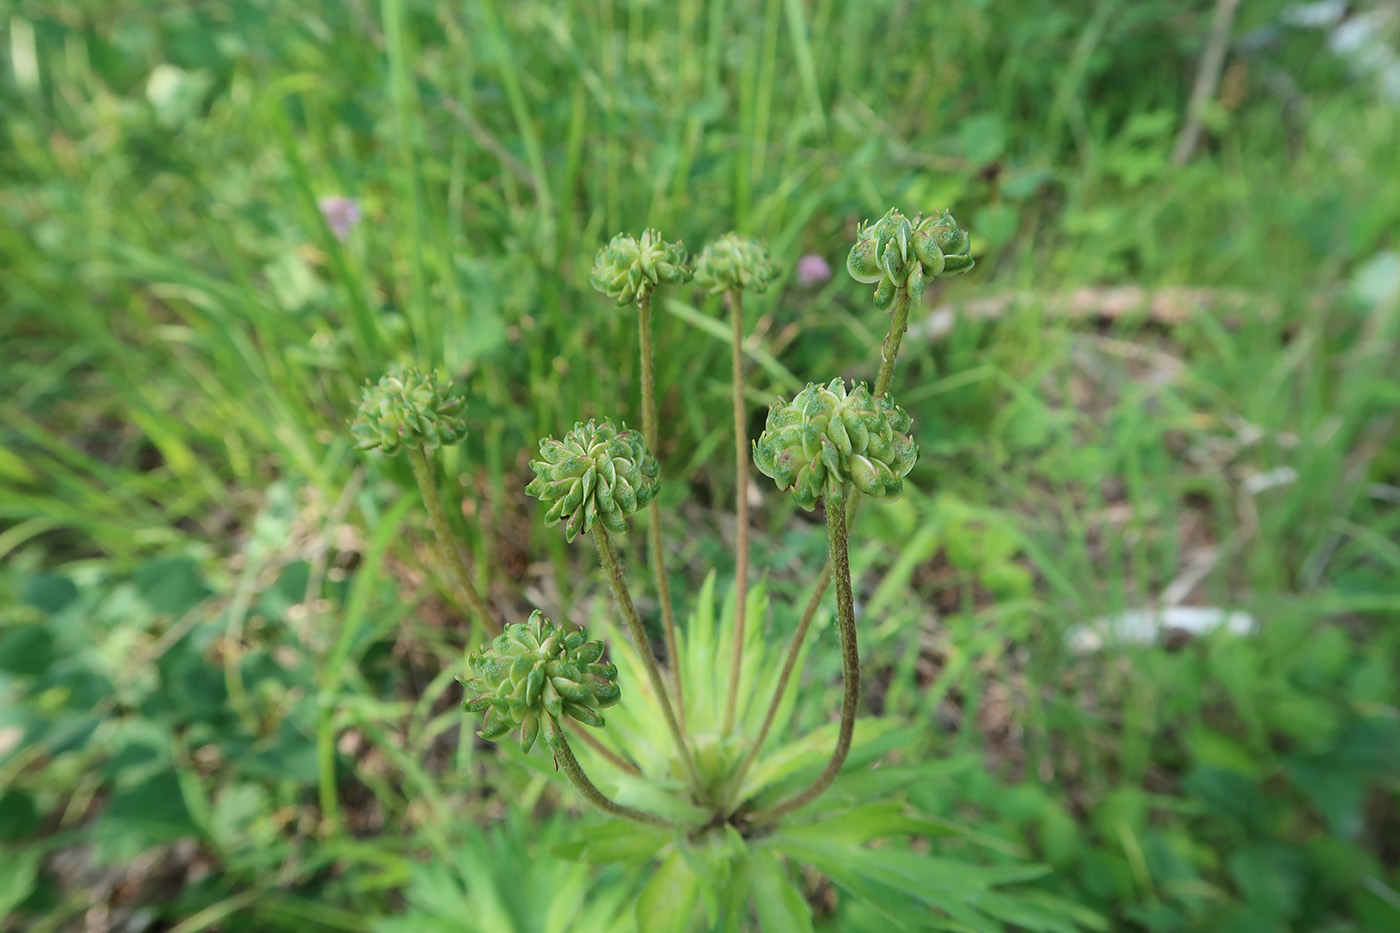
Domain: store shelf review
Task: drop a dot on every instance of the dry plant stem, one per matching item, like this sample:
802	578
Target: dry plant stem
616	760
889	350
658	558
456	557
564	758
613	569
741	511
840	563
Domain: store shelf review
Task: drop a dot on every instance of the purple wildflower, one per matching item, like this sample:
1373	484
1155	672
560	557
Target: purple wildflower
341	213
812	270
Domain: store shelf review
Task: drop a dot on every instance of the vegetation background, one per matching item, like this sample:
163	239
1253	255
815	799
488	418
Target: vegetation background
227	659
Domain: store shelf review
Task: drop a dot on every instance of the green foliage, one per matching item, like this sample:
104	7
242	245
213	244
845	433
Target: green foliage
185	588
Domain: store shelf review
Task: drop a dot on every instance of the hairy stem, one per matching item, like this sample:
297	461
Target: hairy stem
454	554
616	760
899	323
741	510
850	660
564	758
889	350
613	569
658	557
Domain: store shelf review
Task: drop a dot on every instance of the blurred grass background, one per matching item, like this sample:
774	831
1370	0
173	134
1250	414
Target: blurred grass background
226	660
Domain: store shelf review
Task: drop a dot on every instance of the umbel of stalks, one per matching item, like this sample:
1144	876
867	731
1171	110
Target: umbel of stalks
407	408
596	474
827	436
628	268
895	252
735	262
535	670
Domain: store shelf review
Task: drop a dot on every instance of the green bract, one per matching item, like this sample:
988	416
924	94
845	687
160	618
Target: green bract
411	407
595	474
735	262
628	268
896	253
534	670
827	436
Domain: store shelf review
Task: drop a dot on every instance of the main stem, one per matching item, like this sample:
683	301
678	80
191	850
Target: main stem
850	659
613	569
456	557
741	510
889	352
658	558
564	757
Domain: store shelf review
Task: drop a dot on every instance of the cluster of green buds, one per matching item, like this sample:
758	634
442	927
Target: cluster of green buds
597	473
735	262
627	269
826	437
410	407
535	670
895	253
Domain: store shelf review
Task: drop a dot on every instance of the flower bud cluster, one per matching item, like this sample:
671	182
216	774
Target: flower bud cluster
895	253
627	268
826	437
535	670
595	474
735	262
411	407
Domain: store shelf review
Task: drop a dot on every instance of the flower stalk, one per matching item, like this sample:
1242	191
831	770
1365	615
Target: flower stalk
839	557
452	551
734	299
565	760
612	569
658	553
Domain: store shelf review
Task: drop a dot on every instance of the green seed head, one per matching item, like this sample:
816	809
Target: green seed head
596	474
827	436
735	262
535	670
895	253
628	268
409	407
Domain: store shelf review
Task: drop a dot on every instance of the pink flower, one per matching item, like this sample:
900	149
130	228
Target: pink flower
341	213
812	270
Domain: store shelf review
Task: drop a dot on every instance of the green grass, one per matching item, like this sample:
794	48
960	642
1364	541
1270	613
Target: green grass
218	622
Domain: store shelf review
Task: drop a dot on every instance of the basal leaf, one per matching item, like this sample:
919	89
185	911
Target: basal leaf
779	904
667	903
